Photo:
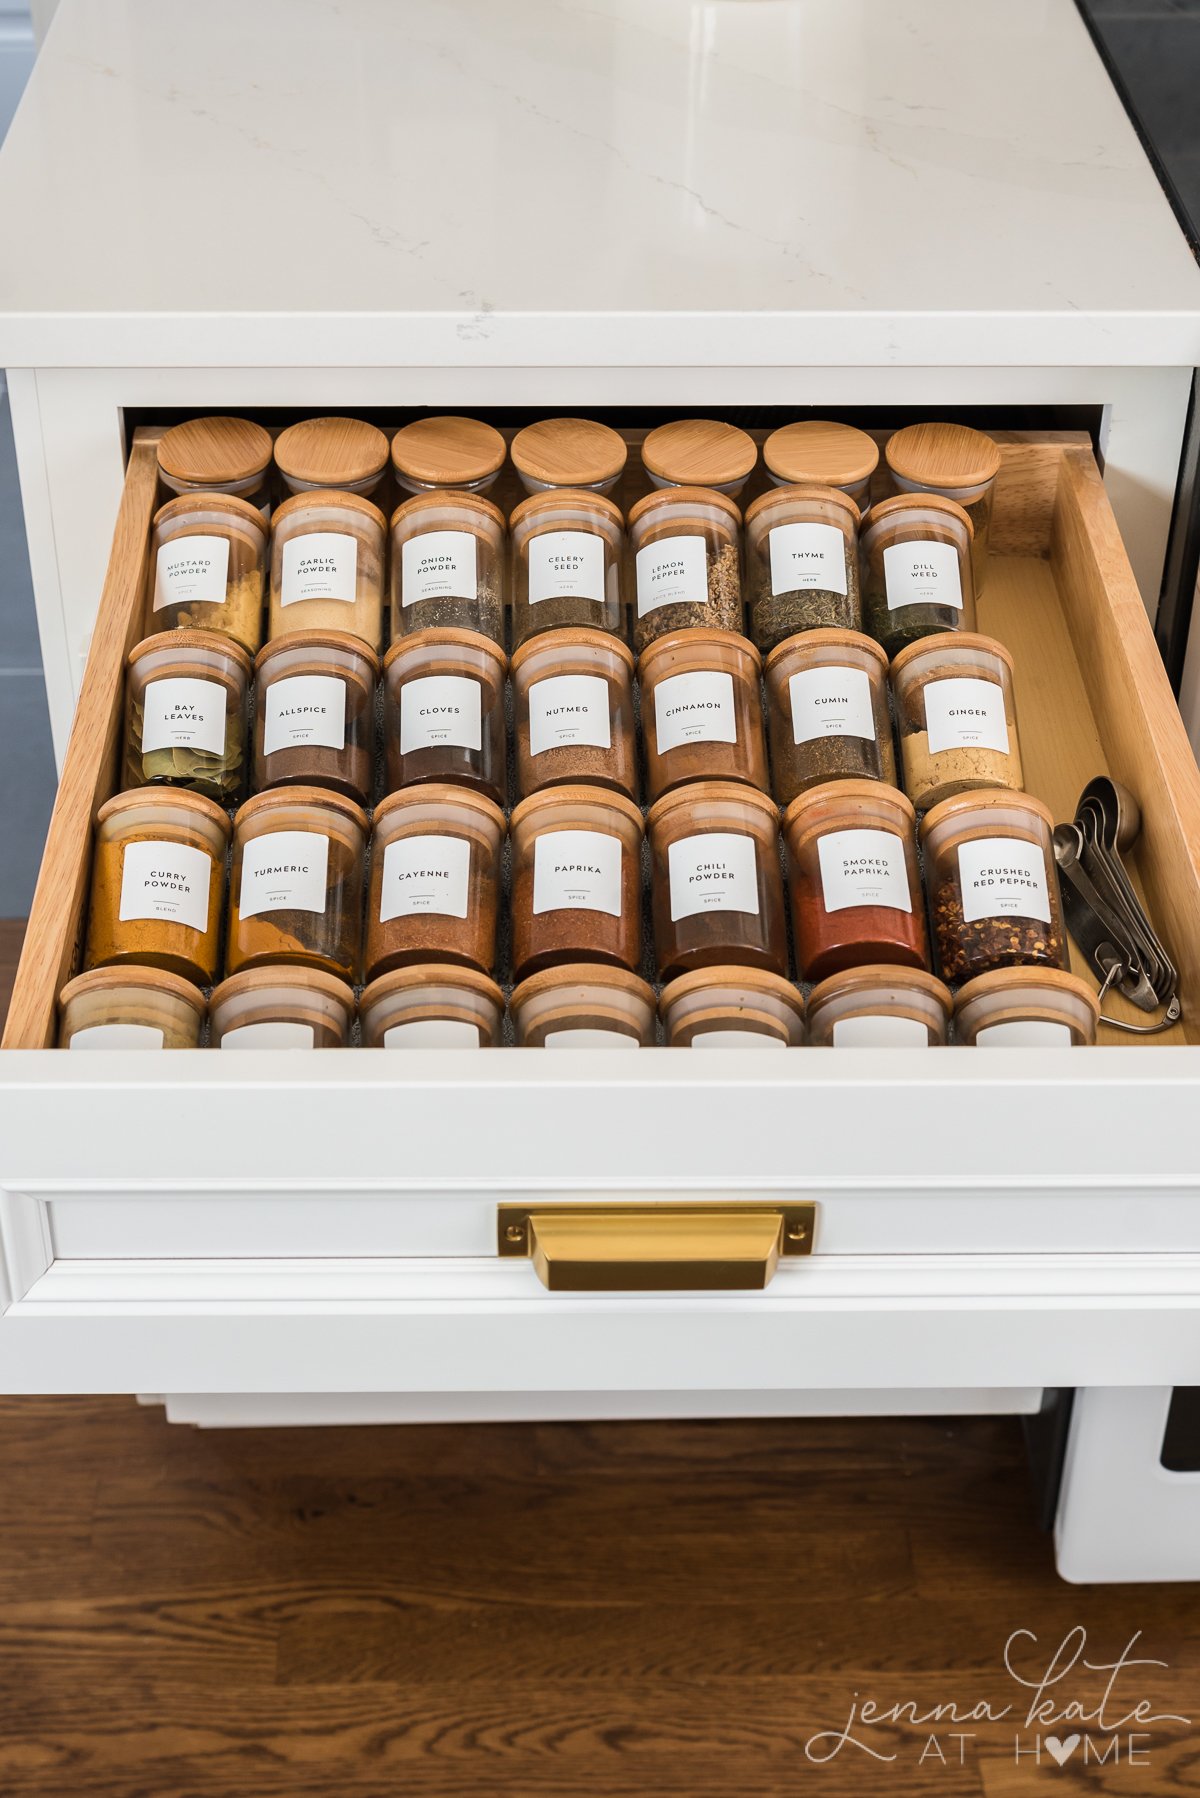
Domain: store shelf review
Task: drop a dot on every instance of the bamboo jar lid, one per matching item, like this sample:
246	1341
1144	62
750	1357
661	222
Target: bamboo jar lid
340	641
214	641
830	639
336	497
448	637
866	979
214	451
942	455
279	798
441	795
777	497
569	452
699	452
754	980
681	498
697	640
1006	980
716	792
188	504
153	980
584	973
447	452
570	637
604	798
814	449
178	797
453	500
295	979
808	811
575	499
325	452
946	641
924	502
433	973
981	799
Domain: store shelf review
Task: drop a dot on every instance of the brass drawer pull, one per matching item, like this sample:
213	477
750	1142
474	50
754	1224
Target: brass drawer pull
654	1247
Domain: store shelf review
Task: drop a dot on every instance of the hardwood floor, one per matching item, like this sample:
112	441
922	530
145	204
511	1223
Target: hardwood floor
545	1611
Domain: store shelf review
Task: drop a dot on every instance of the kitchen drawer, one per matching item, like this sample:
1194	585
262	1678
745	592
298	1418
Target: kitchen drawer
328	1221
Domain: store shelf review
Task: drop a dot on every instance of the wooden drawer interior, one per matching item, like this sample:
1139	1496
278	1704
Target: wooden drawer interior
1092	697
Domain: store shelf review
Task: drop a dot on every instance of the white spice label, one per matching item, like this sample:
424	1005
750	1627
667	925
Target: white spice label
1002	877
965	713
117	1036
285	870
441	708
569	708
183	713
566	565
807	555
737	1039
672	572
281	1033
319	565
304	709
425	874
922	574
831	702
863	867
191	571
1025	1033
438	564
583	1038
694	708
169	881
880	1032
717	871
577	870
433	1033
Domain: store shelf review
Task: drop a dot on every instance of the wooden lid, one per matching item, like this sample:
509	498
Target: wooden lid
214	449
861	980
156	980
699	452
945	641
569	452
1006	980
446	637
165	796
300	980
574	499
448	496
188	503
583	973
578	636
787	496
925	502
682	497
712	792
603	798
447	452
213	641
316	641
699	638
277	798
327	451
832	794
826	639
814	449
434	793
433	973
755	980
328	496
942	455
982	799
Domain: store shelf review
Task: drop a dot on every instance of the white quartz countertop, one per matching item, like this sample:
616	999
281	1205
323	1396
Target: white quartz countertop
598	182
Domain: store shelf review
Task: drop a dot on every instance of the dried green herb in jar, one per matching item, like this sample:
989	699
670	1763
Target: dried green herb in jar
185	714
802	564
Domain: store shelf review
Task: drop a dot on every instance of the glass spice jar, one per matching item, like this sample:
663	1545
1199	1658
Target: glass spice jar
855	888
992	884
324	453
568	452
281	1008
207	567
1026	1008
158	880
879	1008
217	455
583	1006
702	710
433	1006
801	563
435	879
462	453
448	565
297	889
827	710
327	566
686	562
443	713
732	1008
577	880
957	462
573	708
314	723
185	714
956	716
130	1008
815	452
716	887
917	577
567	550
700	452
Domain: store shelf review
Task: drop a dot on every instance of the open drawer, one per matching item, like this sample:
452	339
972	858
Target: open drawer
329	1222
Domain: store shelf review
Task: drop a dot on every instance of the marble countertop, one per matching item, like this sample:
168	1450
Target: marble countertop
595	182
